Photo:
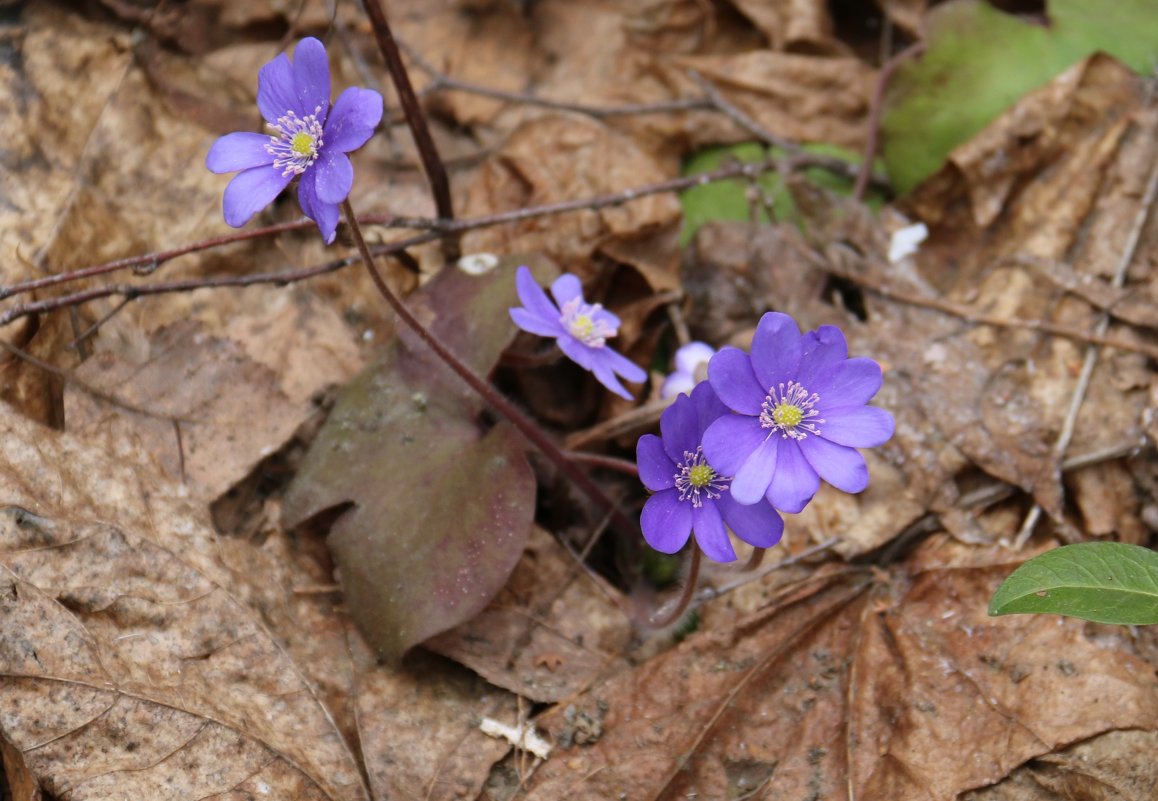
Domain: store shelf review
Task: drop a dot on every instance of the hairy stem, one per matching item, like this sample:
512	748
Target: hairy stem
685	598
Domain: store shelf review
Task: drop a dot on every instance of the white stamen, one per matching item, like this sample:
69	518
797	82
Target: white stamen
296	142
697	478
789	410
580	320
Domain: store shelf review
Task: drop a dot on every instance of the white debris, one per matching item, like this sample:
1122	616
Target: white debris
478	263
523	737
904	241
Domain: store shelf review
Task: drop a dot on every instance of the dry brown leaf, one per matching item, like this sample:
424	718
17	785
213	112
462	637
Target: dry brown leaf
204	393
558	157
835	690
123	643
800	25
548	635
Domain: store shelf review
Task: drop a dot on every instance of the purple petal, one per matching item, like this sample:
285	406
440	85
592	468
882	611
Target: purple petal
666	521
577	352
823	348
620	364
711	535
752	479
536	325
858	426
607	318
605	376
794	482
566	287
841	467
729	441
352	122
275	89
852	382
656	470
324	214
756	524
333	176
312	79
251	191
776	350
535	300
730	372
709	407
238	151
677	424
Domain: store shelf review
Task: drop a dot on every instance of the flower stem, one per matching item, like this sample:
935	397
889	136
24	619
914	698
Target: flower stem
685	597
529	429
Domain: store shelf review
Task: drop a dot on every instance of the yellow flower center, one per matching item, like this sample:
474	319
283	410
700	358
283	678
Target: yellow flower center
701	475
786	415
303	144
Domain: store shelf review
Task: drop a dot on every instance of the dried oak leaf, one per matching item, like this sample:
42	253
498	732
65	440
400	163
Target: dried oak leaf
438	511
548	635
847	684
127	666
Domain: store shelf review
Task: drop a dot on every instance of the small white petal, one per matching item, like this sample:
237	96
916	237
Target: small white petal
904	241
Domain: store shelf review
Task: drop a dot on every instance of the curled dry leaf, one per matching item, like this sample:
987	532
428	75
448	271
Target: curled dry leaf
126	663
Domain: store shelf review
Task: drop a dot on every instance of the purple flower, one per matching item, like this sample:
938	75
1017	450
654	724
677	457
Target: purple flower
690	495
800	414
307	140
691	363
581	329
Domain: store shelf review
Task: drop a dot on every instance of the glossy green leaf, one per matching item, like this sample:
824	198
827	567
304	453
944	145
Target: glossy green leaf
1106	582
980	61
439	509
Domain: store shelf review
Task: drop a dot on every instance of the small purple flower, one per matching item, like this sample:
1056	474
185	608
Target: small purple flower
691	362
581	329
800	414
307	140
690	495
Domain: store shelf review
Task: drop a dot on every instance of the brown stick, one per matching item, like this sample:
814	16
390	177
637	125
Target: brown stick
416	119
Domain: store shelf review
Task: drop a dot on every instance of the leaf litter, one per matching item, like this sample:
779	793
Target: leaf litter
142	649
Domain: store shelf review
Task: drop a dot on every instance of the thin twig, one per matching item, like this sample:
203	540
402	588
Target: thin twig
1093	351
416	119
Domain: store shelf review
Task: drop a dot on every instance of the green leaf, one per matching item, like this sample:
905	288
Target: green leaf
980	61
1106	582
728	200
439	511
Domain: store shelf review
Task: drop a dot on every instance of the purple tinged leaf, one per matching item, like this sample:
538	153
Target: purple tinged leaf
439	514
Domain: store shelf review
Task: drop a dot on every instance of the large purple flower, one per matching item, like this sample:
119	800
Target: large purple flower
307	140
690	495
581	329
800	414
